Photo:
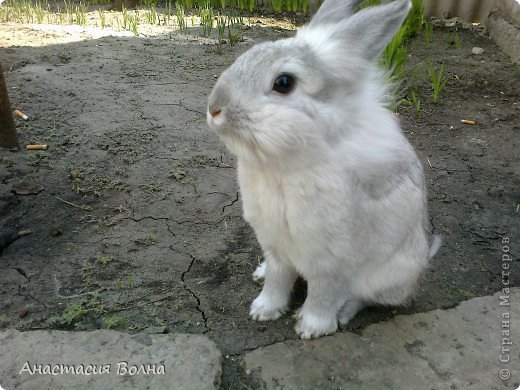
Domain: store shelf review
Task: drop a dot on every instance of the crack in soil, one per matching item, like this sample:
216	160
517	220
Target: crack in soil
232	202
198	308
22	272
6	240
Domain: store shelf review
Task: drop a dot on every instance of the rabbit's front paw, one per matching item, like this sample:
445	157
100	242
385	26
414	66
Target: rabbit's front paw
265	308
309	325
259	273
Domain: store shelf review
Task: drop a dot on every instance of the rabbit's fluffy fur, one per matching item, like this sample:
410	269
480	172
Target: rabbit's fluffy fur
332	188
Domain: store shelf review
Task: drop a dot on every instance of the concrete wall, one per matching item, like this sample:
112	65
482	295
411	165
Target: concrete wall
469	10
503	26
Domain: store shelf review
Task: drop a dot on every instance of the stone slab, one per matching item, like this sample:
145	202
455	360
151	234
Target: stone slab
504	28
458	348
107	359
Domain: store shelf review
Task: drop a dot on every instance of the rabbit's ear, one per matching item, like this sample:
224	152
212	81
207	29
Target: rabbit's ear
367	32
373	28
334	11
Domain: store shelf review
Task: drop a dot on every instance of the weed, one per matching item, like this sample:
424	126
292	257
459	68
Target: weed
236	19
414	20
221	26
104	260
151	187
417	104
38	10
235	23
206	19
102	18
115	321
134	22
126	19
181	21
454	40
75	313
187	4
169	13
147	241
80	12
395	54
178	174
70	318
305	6
428	32
151	16
438	81
276	5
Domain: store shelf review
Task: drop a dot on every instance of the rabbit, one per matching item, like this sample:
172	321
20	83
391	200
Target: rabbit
332	188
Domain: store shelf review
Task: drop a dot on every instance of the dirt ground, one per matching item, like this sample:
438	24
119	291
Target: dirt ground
150	233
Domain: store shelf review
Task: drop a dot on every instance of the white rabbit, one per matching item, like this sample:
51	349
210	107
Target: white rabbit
332	188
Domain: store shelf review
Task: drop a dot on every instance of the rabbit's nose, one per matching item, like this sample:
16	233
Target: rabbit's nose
214	110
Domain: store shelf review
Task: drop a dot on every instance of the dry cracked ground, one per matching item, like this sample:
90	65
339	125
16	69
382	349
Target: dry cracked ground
132	217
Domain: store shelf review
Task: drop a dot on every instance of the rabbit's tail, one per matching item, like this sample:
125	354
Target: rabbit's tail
435	245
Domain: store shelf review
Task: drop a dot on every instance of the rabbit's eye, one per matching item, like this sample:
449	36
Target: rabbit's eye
284	84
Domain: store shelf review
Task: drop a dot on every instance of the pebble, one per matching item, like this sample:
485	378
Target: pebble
24	232
477	51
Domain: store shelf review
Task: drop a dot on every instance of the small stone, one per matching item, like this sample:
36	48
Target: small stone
24	232
28	189
477	51
74	174
248	372
22	312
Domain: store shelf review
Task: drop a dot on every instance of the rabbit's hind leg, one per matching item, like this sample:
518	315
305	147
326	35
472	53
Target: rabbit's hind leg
349	310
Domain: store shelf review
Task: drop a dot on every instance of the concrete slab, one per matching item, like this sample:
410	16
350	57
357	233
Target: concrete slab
460	348
505	34
503	25
106	359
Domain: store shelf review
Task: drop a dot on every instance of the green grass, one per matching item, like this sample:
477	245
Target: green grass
453	39
152	16
115	321
102	18
394	56
206	19
417	104
134	22
222	22
428	32
438	81
181	19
